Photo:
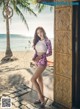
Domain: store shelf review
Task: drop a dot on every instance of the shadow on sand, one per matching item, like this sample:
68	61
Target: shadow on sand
7	59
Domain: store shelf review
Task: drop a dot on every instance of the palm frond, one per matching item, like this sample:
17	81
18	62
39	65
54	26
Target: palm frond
23	5
14	3
51	8
2	3
40	7
31	11
23	2
26	6
22	16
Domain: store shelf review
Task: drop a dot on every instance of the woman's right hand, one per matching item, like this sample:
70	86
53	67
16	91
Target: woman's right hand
37	58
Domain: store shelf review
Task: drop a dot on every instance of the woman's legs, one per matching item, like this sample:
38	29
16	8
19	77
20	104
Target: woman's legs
40	82
37	74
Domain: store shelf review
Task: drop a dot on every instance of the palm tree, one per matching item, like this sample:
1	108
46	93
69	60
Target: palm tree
8	7
40	5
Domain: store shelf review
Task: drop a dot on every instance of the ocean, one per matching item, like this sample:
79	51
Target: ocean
17	42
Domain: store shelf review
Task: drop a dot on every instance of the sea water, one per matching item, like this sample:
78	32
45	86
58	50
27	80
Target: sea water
18	42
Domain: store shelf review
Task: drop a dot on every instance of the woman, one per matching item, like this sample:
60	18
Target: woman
43	48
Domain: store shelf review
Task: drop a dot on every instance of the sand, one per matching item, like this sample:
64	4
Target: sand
17	67
23	58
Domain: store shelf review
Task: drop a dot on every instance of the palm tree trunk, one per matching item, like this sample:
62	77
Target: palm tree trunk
8	49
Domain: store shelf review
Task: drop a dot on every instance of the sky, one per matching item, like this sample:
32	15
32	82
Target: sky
44	19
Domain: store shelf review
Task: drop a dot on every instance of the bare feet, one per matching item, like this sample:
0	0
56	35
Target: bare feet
37	102
41	98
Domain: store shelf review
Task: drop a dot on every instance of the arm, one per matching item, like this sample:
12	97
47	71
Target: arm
49	48
34	57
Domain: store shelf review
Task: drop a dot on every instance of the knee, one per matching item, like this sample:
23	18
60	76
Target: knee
33	80
39	79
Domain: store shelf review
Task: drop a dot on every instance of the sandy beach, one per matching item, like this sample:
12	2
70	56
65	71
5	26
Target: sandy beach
17	66
17	72
23	59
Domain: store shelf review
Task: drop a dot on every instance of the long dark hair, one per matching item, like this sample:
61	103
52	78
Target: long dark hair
36	37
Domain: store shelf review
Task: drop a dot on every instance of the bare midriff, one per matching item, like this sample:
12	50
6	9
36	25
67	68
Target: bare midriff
40	53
